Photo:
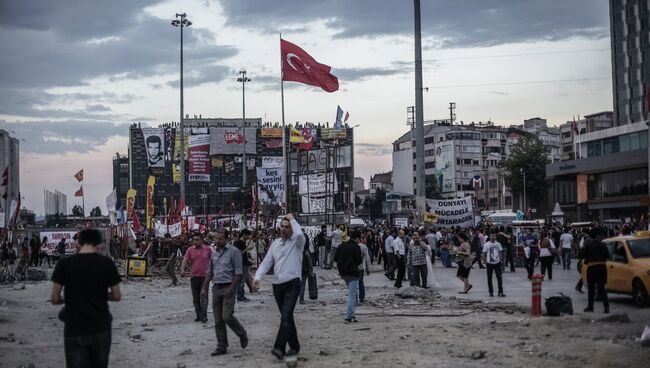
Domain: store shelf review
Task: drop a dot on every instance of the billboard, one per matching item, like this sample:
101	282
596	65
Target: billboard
199	158
154	144
445	167
230	141
316	160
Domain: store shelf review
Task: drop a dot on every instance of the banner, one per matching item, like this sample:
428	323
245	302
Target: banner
309	137
170	135
311	204
177	144
452	212
130	201
430	218
271	132
199	158
445	166
173	229
154	139
54	237
270	183
295	135
150	183
217	162
229	166
316	160
272	161
273	143
230	141
316	184
332	133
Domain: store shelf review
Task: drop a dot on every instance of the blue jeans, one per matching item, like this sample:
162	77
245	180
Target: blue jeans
445	258
286	296
87	351
566	258
353	289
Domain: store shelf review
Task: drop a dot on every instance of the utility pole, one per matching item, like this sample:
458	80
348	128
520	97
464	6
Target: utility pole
452	112
419	114
181	21
243	79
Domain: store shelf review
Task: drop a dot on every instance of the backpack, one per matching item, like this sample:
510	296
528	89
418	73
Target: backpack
559	305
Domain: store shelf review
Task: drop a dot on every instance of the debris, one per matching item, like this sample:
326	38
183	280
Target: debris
417	293
645	337
180	365
324	352
616	318
187	352
479	354
35	274
20	286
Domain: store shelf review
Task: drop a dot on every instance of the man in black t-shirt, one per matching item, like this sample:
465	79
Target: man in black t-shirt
243	244
172	248
88	281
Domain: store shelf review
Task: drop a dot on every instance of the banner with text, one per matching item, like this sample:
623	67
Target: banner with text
313	204
452	212
317	184
316	160
230	141
270	184
272	161
199	157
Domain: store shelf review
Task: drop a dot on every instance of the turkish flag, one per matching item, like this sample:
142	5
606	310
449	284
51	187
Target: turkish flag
79	193
299	66
80	175
136	222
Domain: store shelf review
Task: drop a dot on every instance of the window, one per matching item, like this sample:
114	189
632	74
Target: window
467	161
492	183
508	201
475	163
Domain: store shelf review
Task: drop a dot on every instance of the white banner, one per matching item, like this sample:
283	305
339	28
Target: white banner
316	204
452	212
270	184
153	144
173	229
272	161
316	184
111	200
54	237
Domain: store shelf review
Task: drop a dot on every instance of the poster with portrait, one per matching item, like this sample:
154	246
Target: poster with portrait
154	144
445	166
170	139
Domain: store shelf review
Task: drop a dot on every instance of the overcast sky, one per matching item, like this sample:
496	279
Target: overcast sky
75	73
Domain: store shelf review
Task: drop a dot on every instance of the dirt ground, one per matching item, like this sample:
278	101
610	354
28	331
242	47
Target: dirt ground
153	327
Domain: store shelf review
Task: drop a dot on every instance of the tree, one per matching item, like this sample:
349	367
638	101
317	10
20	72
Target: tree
77	211
528	156
95	212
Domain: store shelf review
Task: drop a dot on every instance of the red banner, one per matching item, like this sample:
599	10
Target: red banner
199	157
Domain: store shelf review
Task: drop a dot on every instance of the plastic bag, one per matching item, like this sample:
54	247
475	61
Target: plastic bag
645	337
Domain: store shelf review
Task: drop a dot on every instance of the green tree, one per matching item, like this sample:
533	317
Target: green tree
528	156
77	211
95	212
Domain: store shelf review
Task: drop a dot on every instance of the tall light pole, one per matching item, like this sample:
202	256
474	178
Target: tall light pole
419	113
243	79
524	201
181	21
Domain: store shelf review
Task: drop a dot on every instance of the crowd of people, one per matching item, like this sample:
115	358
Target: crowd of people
233	263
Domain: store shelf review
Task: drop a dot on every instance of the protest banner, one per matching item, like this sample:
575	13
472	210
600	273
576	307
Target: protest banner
199	158
452	212
316	184
230	141
270	182
272	161
154	144
54	237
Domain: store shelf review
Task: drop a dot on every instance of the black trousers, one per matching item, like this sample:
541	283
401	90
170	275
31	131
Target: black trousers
495	268
477	258
286	296
200	302
510	259
547	264
392	265
596	278
87	351
401	270
530	262
420	275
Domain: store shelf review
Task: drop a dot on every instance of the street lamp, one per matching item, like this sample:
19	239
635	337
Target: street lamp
521	170
181	21
243	79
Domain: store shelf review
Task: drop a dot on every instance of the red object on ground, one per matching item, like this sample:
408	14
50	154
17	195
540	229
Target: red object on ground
536	307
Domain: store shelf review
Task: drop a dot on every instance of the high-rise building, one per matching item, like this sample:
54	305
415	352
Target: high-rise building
630	46
120	178
9	164
55	203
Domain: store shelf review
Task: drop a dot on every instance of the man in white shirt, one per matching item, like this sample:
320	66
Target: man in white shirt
400	258
492	256
566	242
337	239
285	256
390	256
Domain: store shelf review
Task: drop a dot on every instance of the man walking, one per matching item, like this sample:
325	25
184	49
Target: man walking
492	254
285	256
390	256
337	239
198	257
595	256
566	242
400	253
348	259
321	243
417	259
172	248
88	280
225	271
244	245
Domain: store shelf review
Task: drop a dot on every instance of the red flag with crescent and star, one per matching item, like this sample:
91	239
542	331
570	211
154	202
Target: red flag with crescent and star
79	176
299	66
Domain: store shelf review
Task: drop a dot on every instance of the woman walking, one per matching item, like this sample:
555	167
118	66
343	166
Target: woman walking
464	260
546	255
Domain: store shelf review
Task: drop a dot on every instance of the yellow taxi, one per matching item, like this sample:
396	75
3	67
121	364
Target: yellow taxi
628	267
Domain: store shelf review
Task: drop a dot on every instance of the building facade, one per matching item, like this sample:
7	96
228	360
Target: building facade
9	163
630	48
221	190
120	179
609	181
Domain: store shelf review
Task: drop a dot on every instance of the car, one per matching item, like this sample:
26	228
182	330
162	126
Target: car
628	267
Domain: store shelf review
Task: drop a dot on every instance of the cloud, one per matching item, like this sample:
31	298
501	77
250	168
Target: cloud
373	149
359	74
458	23
70	136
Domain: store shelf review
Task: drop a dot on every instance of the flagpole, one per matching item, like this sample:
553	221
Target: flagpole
83	200
281	80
